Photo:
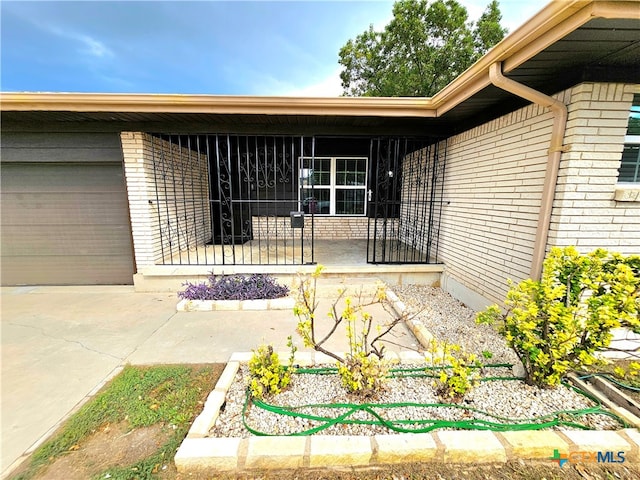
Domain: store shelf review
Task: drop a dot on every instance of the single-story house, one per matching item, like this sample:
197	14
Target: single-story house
531	147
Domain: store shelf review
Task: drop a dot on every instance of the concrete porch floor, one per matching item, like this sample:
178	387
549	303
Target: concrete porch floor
343	260
296	252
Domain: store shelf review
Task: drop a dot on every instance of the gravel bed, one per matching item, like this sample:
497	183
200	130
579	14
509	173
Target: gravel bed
499	398
448	320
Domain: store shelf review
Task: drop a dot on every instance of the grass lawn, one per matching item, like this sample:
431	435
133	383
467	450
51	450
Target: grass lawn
131	429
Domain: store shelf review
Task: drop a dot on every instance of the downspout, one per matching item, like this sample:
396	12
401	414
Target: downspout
556	147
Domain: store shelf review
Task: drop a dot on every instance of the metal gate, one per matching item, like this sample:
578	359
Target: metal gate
227	199
405	200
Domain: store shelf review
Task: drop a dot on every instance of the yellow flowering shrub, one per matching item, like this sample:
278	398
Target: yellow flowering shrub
558	323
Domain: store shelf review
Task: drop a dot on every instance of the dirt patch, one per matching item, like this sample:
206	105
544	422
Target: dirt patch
111	446
517	470
143	452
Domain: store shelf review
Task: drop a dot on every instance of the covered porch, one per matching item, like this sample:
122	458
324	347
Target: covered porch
219	201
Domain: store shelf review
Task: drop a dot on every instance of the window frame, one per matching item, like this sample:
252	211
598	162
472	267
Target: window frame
333	186
630	142
632	139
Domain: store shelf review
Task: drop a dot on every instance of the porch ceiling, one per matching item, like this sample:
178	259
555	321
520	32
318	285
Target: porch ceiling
565	44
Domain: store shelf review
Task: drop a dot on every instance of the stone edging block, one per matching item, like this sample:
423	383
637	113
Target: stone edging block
339	450
284	303
275	452
419	331
475	446
199	453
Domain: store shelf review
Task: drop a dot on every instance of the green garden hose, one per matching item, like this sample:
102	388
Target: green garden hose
565	418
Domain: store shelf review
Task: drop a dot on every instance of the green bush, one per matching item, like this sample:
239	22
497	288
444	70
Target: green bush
363	374
558	323
268	375
459	371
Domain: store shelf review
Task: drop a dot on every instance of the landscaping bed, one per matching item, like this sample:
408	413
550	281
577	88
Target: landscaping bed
505	401
408	404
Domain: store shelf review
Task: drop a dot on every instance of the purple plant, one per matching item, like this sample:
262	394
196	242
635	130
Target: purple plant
235	287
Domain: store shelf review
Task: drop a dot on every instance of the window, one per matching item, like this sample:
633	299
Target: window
630	166
333	185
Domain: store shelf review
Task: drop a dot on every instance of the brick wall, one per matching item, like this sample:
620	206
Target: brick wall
493	185
324	227
492	195
585	212
175	216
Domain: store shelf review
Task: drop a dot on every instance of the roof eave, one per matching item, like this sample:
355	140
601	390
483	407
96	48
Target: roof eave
552	23
218	104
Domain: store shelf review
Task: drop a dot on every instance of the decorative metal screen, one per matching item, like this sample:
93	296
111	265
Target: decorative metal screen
405	200
228	199
252	190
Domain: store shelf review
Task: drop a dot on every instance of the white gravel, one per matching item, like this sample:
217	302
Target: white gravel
447	319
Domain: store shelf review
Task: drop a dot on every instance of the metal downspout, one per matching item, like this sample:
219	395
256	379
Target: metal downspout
560	114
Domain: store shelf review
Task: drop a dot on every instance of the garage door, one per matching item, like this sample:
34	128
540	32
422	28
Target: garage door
64	224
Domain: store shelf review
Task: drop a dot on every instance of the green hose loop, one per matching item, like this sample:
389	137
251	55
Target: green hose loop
562	418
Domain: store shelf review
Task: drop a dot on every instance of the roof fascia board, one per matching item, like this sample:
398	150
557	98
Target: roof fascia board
145	103
568	25
551	24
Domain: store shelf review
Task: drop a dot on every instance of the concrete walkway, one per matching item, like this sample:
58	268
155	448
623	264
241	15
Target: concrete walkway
60	344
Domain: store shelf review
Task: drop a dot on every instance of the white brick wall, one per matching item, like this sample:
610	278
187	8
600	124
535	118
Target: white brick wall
585	213
493	185
492	195
325	228
167	220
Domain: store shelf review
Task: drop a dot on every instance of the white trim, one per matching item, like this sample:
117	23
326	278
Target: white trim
333	187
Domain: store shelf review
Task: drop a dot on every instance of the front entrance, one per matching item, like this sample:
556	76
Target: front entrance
269	200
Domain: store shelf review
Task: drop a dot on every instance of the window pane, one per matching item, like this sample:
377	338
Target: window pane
350	202
316	172
630	166
634	117
351	171
317	200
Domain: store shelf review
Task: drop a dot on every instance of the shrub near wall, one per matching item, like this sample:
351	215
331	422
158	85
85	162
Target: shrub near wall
557	324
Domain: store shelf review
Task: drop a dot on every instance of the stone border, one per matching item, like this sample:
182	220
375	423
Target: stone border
284	303
201	453
418	329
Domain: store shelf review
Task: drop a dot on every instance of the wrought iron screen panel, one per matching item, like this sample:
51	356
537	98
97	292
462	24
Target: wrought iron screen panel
405	200
227	199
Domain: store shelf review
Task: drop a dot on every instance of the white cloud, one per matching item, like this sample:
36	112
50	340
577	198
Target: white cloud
92	46
88	45
329	86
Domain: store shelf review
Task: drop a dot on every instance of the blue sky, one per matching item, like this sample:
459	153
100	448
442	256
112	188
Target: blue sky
210	47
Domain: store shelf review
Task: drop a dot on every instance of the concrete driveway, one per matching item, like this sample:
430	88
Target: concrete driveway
60	344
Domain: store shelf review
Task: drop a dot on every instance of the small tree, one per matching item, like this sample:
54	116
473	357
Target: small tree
364	369
558	323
